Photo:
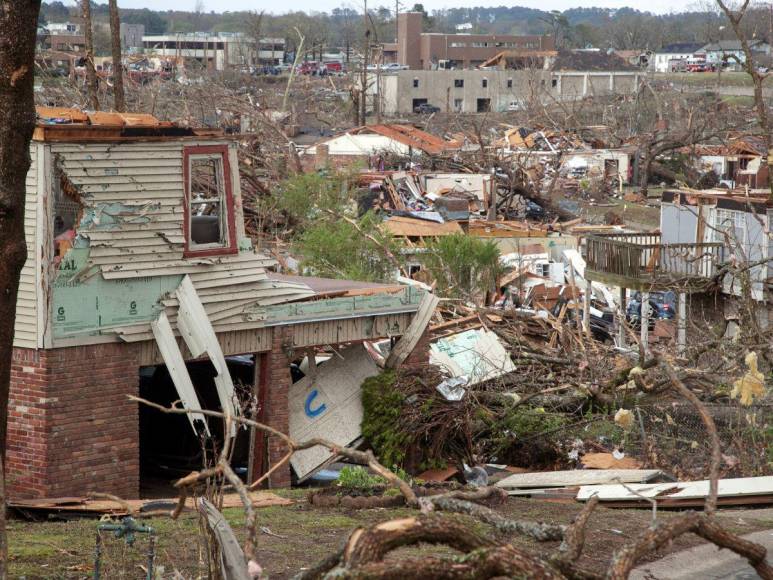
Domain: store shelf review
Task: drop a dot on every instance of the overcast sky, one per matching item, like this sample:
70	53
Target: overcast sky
661	6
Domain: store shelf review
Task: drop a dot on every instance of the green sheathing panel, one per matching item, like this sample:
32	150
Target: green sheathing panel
86	304
406	300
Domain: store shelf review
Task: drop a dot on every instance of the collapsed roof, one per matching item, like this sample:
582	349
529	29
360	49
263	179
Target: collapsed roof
64	124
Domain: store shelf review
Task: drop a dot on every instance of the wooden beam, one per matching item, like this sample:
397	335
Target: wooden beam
413	333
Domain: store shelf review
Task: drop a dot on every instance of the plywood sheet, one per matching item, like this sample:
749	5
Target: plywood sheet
329	405
687	490
577	477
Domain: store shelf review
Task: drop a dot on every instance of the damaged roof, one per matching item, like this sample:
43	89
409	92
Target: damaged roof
409	136
518	58
65	124
331	287
586	60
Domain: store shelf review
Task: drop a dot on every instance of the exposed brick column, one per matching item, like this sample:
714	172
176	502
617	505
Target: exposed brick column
72	428
277	411
26	458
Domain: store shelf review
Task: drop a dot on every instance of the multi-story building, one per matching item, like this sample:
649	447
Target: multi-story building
271	51
664	59
216	51
428	50
480	91
64	37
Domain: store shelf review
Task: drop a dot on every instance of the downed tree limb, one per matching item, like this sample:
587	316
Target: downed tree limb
536	530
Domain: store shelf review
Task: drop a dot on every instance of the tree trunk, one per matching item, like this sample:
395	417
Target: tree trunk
18	28
645	158
119	102
91	72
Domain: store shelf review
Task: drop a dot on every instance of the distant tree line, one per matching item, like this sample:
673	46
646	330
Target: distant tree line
622	29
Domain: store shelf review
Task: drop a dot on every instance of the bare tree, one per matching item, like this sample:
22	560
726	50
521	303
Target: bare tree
91	72
18	28
255	29
735	17
119	102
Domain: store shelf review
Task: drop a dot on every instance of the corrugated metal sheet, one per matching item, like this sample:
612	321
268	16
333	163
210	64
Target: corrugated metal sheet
133	196
26	327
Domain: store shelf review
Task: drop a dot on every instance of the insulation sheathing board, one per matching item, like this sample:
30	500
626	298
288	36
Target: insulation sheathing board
329	405
475	354
90	305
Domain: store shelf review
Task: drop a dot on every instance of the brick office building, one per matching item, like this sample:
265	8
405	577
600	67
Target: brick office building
428	50
137	257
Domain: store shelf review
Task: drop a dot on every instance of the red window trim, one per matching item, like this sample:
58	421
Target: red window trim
231	247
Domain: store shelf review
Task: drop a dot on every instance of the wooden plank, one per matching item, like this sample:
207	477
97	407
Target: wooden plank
413	333
577	477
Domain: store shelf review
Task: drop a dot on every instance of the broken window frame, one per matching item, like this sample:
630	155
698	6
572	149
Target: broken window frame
228	244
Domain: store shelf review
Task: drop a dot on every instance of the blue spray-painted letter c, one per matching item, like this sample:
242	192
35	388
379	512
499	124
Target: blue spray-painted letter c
315	412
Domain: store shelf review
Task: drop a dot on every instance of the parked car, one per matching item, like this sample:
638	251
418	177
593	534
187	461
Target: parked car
662	307
534	210
515	106
600	321
425	109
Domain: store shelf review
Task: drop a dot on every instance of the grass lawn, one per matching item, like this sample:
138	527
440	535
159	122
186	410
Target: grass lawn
709	79
304	535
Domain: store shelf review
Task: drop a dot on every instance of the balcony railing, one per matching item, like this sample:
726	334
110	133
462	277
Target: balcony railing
642	259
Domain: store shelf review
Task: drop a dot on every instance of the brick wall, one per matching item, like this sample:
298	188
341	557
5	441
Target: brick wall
277	411
71	427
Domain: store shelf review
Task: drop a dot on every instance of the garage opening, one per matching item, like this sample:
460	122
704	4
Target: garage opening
417	102
169	447
484	105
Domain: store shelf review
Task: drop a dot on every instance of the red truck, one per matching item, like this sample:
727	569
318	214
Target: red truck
334	66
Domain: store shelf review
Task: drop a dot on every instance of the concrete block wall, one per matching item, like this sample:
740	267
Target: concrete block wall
71	426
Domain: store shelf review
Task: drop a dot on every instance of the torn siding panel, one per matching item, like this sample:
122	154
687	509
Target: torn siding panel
26	325
175	364
130	232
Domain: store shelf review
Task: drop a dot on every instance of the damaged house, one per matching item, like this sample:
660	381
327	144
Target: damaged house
710	240
740	162
138	258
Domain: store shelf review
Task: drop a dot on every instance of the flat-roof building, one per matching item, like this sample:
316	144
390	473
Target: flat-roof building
428	50
218	51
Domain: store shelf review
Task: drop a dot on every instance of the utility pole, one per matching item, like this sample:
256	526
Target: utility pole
364	76
91	72
119	102
397	24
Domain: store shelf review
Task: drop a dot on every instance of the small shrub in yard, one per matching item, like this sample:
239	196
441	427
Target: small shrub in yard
357	478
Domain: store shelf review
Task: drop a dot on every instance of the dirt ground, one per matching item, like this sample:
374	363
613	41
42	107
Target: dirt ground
304	535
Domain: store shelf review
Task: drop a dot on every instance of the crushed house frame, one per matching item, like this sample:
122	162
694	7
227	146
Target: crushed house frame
112	285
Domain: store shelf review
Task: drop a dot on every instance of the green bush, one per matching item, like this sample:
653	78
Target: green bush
381	421
358	478
463	266
335	248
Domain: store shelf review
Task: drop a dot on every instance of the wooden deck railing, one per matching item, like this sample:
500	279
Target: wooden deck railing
642	256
